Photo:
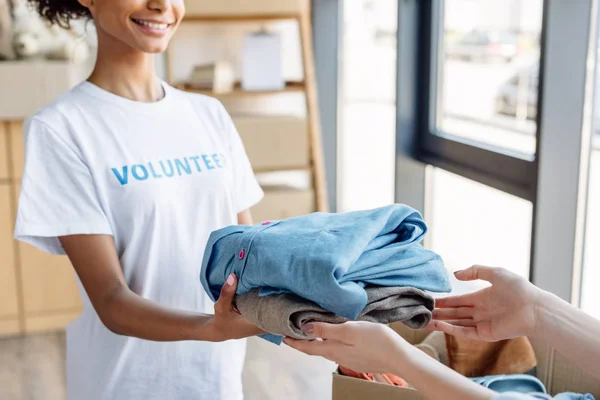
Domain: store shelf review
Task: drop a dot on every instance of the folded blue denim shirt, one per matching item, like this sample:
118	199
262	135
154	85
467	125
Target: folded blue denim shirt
327	258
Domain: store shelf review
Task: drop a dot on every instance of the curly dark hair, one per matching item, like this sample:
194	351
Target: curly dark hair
60	12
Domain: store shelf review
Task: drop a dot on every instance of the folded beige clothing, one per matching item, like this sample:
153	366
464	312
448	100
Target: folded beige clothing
284	314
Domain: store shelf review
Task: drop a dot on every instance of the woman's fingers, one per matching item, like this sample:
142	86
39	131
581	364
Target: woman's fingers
469	332
461	322
465	300
310	347
476	272
453	313
225	302
344	333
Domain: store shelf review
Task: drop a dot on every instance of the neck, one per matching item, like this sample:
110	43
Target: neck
125	71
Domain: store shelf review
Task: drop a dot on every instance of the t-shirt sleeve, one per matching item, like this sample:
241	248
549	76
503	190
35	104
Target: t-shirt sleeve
247	191
58	196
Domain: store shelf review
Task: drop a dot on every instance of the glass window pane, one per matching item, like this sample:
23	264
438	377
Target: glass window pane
590	295
473	224
591	269
488	78
367	132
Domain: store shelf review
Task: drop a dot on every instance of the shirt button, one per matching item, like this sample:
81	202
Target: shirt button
242	254
266	223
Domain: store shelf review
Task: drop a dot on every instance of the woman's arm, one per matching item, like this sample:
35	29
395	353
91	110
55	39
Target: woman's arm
573	333
435	380
245	218
368	347
122	311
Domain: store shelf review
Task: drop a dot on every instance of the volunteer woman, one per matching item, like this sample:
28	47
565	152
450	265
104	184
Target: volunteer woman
511	307
128	177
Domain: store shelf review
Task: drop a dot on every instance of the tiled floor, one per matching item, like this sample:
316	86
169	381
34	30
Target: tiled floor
32	368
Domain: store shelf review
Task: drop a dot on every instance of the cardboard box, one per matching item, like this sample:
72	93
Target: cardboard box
274	142
213	8
553	370
284	203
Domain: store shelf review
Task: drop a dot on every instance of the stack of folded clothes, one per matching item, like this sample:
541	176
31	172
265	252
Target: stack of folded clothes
324	267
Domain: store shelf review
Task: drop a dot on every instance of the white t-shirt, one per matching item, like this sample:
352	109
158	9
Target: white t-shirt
159	177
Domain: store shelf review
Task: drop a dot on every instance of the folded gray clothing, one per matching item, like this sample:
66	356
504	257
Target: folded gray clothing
284	314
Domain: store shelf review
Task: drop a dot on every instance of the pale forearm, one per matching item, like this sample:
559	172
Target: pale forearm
434	380
126	313
573	333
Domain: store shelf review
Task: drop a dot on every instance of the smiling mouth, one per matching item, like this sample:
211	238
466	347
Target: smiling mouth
152	25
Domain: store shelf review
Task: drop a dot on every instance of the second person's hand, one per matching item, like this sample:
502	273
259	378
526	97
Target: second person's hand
369	347
506	309
361	346
227	322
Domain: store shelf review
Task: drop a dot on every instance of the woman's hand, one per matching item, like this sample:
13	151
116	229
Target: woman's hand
227	322
360	346
374	348
505	310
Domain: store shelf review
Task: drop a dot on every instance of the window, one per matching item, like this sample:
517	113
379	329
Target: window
474	224
480	62
487	83
512	174
590	296
368	105
591	268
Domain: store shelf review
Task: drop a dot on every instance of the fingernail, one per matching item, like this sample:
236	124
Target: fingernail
458	272
230	280
308	328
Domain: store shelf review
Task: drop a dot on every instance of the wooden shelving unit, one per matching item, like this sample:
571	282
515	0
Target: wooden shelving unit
315	165
290	87
39	290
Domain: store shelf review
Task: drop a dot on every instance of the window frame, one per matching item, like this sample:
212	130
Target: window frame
327	25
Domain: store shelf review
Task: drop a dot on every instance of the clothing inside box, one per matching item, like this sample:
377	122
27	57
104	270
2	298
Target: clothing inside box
471	358
509	366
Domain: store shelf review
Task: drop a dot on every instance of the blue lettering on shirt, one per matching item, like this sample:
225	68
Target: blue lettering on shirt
122	177
168	168
171	170
185	167
154	174
207	161
196	158
217	160
140	176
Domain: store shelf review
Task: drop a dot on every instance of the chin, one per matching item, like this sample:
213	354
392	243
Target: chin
152	48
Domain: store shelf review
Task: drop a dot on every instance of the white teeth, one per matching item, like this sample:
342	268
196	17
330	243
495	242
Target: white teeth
152	25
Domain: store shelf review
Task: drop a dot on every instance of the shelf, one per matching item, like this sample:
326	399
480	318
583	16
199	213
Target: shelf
245	10
241	18
290	87
281	169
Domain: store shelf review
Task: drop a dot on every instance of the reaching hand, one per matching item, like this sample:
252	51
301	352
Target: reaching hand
505	310
360	346
228	323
